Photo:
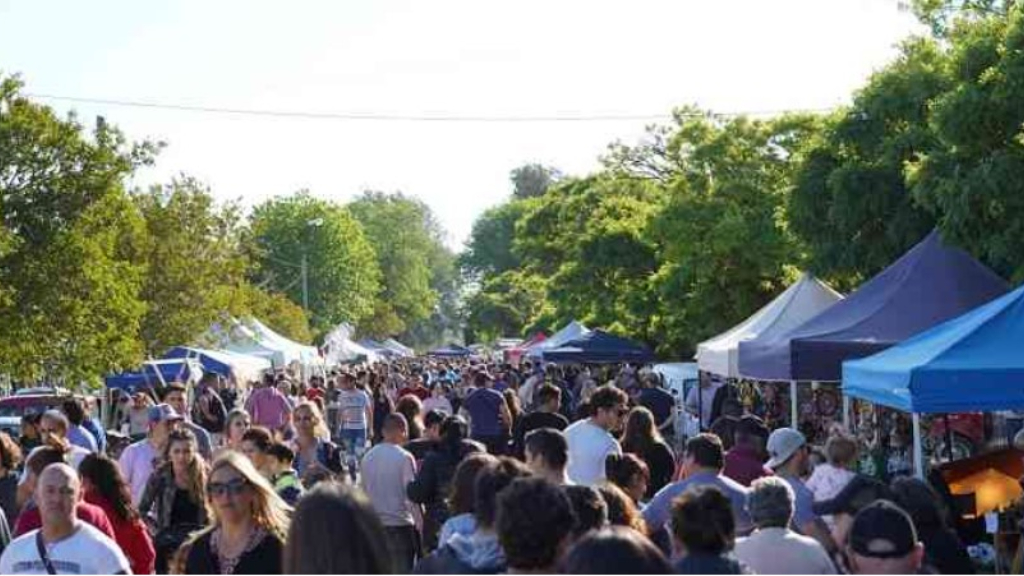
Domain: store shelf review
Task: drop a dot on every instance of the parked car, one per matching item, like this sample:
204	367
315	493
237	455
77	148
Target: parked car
29	401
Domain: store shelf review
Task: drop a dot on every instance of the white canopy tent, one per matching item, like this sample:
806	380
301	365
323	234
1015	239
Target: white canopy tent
806	298
400	348
341	348
569	332
305	355
254	338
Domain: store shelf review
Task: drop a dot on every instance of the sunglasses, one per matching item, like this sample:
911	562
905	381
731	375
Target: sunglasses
305	419
234	488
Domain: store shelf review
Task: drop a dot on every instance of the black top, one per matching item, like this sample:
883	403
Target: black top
265	558
534	421
710	564
8	496
184	511
944	552
420	447
662	465
659	402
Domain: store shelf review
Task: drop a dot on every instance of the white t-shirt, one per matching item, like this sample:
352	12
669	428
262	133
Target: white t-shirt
352	404
137	466
782	551
385	472
86	551
589	445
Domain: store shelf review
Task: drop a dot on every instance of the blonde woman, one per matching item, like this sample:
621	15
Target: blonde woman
313	448
250	523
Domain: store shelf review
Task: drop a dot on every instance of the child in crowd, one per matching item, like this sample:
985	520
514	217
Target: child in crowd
830	478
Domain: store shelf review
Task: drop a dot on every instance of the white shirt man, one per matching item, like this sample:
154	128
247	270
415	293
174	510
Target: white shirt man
386	470
589	440
68	545
138	460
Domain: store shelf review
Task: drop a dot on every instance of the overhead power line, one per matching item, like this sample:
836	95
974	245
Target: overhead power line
388	117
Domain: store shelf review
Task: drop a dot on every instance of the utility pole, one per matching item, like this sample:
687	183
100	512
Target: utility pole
305	283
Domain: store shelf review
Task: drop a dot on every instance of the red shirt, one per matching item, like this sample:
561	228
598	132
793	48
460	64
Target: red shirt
132	537
420	392
744	465
313	393
30	519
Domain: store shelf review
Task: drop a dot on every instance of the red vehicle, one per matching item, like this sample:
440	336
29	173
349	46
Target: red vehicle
30	401
970	433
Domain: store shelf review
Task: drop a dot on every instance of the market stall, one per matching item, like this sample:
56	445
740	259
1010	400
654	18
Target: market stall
972	363
929	284
242	368
803	300
567	333
599	347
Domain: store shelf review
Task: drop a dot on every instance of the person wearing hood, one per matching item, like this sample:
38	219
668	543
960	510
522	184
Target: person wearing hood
480	552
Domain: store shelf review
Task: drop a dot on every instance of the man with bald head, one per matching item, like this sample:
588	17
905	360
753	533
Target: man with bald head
64	544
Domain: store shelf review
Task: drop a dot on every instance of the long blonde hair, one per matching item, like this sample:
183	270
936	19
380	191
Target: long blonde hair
320	428
270	512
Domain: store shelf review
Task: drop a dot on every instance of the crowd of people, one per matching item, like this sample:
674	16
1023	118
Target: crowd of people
448	467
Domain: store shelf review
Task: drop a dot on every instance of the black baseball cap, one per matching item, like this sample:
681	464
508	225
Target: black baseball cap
883	530
859	492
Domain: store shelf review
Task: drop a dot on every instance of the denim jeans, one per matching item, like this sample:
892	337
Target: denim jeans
353	442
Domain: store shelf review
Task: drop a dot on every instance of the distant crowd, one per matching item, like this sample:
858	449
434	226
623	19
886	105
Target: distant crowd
448	467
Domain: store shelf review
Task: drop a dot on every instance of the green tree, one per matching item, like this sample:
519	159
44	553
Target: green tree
724	248
971	180
489	248
196	265
404	236
850	203
72	267
532	180
343	274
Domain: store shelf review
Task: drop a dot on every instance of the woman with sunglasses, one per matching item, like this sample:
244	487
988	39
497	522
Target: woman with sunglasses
176	495
250	523
313	447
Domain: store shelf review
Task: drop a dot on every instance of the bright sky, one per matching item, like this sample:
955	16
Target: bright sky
448	58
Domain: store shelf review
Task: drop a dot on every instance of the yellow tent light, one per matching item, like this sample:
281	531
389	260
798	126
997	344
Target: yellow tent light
992	490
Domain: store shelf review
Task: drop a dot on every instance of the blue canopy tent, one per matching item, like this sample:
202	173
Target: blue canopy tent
969	364
972	363
155	374
929	284
599	347
243	367
451	351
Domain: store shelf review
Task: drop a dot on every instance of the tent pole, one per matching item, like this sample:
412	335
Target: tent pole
846	412
918	453
794	406
949	437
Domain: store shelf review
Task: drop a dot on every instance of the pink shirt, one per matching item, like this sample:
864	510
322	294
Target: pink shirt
269	408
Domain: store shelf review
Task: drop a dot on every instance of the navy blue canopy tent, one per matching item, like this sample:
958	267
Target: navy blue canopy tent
599	347
451	350
929	284
972	363
156	373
